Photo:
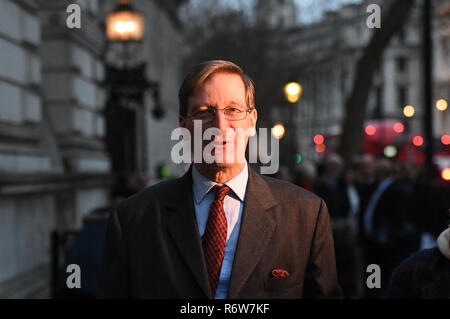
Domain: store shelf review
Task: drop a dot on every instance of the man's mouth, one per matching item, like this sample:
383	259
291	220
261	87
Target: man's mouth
219	143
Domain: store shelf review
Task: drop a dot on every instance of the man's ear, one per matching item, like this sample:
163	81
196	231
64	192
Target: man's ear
254	117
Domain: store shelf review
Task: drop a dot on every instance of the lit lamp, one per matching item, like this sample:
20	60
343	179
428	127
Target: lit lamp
390	151
278	130
408	111
441	105
124	23
293	91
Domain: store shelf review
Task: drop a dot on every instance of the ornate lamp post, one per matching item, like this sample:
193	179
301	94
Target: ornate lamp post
126	83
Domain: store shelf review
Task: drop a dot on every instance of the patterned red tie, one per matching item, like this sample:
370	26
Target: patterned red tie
215	237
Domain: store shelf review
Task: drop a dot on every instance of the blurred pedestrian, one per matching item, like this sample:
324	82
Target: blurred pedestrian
425	274
365	181
284	174
387	232
305	175
331	186
336	186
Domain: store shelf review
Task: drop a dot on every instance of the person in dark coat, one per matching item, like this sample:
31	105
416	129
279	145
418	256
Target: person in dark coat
221	230
425	274
388	234
336	187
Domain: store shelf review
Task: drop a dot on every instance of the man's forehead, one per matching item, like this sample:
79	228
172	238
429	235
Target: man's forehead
222	80
229	89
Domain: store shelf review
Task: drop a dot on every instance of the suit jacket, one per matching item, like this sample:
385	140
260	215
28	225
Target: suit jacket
153	247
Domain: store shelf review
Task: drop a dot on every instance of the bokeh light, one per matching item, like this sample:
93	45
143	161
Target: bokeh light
292	91
319	139
446	174
320	148
441	104
278	131
445	139
399	127
409	111
390	151
370	130
417	140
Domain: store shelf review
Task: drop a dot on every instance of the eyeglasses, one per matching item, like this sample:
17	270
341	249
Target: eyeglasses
231	113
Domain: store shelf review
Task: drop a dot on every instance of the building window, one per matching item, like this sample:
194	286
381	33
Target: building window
401	35
401	64
402	96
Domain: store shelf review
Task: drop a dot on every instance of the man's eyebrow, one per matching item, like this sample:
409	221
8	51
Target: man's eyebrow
235	103
229	103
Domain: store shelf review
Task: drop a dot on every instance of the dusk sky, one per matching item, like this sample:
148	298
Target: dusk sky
308	10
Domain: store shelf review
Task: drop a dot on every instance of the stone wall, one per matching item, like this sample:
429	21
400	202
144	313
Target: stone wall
53	166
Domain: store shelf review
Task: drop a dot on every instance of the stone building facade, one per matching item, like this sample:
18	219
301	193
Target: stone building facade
54	165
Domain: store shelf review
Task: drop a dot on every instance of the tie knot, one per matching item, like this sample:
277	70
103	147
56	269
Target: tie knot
221	191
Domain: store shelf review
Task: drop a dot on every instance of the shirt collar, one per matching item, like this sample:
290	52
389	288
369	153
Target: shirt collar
202	185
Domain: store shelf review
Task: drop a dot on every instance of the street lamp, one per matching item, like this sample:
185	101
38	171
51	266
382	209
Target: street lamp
127	85
292	92
124	23
125	27
441	105
278	130
409	111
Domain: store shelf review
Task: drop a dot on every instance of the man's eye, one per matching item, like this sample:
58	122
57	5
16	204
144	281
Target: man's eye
234	110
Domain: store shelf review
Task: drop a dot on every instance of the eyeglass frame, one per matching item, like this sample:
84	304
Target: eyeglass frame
247	110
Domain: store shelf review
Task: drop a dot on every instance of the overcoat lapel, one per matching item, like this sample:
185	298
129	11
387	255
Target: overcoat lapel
184	230
256	231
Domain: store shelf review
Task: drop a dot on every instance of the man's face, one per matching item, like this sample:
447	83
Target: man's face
222	90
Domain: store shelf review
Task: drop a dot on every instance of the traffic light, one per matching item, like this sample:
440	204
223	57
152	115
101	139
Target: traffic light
163	171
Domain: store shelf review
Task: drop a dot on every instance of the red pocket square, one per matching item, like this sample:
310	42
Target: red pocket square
279	273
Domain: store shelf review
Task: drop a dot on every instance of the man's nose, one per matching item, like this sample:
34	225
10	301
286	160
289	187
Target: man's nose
219	121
